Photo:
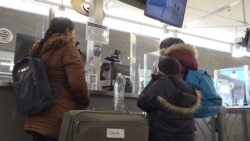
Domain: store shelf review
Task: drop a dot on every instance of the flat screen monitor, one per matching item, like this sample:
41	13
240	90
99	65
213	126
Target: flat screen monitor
167	11
120	68
23	45
124	70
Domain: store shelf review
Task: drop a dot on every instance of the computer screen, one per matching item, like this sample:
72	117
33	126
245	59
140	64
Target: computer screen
120	68
23	45
124	70
167	11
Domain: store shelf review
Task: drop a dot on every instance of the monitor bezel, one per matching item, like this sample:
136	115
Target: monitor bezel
179	25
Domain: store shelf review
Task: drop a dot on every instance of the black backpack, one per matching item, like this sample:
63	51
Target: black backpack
32	90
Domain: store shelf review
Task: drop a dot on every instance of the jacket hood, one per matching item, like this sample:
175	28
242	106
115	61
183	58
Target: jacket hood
184	106
179	47
185	54
57	40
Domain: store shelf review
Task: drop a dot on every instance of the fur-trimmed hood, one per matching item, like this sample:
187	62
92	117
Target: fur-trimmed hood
186	54
57	40
182	109
171	93
177	47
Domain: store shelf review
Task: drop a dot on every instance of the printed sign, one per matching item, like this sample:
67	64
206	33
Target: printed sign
97	33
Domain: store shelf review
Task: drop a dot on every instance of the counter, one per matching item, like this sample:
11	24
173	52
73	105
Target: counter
12	122
5	83
232	122
104	100
5	80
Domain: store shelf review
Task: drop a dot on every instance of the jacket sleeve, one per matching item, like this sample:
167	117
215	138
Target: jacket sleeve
147	98
76	76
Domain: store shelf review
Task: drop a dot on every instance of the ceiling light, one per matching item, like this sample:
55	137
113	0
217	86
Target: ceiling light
6	64
60	12
61	8
237	51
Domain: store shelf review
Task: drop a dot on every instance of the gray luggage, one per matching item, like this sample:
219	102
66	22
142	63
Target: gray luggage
100	125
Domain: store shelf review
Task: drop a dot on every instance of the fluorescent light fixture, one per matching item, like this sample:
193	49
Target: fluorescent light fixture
237	51
6	64
60	12
61	8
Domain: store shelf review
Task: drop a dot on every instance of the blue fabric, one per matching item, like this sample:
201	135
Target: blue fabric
211	102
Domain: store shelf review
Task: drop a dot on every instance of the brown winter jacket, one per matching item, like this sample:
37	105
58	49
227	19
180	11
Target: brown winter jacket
185	54
61	59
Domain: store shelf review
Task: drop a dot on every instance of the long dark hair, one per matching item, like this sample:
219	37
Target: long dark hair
57	25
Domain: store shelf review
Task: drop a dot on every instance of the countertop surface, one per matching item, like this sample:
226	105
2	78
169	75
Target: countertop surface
5	80
111	93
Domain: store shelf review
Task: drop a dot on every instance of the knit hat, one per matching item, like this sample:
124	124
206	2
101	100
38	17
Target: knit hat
170	41
169	65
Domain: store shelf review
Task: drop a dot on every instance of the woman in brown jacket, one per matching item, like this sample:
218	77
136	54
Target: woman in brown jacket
62	60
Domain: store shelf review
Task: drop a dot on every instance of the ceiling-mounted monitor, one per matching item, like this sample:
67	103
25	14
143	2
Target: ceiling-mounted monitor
167	11
23	44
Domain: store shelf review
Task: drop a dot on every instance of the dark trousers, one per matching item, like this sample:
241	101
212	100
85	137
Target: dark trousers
39	137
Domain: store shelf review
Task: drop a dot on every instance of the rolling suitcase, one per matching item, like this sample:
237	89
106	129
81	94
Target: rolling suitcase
100	125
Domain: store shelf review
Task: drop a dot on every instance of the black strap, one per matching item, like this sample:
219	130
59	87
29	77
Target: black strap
63	83
59	88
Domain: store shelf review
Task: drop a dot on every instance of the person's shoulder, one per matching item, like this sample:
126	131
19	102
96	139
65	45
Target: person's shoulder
158	76
175	76
34	47
179	81
165	79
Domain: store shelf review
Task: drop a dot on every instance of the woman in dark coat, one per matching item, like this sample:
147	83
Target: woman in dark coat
62	60
170	103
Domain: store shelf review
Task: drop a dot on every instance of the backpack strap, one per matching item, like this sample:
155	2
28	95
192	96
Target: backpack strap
59	88
40	50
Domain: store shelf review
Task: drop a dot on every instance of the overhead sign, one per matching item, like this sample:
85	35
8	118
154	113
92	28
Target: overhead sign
97	33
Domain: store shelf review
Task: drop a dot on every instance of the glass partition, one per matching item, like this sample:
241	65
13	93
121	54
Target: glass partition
233	85
146	54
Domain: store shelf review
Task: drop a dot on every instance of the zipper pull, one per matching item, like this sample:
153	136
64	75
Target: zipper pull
76	125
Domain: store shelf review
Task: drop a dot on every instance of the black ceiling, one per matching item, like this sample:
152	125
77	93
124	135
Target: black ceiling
136	3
